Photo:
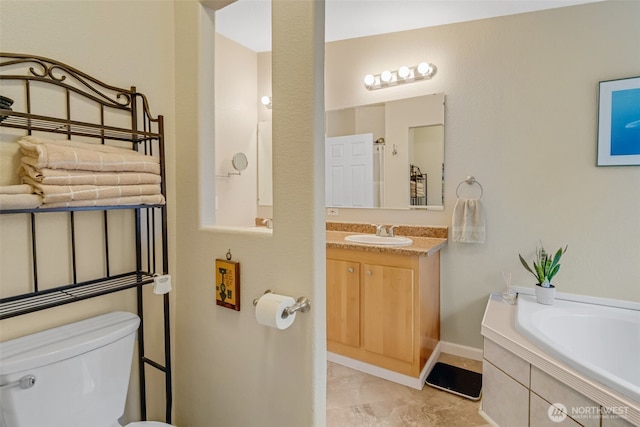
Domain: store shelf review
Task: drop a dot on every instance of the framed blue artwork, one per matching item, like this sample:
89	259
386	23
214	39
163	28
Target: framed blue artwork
619	122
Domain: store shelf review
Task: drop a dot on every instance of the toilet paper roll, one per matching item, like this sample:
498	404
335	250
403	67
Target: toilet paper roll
270	308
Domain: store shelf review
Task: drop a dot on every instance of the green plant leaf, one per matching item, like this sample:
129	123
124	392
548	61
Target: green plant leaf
526	266
556	257
540	272
553	272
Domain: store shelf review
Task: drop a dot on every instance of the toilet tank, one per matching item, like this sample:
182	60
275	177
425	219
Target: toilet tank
81	374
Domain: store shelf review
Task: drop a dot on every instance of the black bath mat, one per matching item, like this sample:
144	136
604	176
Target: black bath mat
456	380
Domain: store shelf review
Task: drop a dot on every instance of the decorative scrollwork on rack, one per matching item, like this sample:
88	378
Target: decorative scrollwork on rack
75	86
145	105
33	70
86	85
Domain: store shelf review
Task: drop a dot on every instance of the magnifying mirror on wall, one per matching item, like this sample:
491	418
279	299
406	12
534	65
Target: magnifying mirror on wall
239	162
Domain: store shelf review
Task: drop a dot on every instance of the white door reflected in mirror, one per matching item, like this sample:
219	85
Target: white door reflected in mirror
349	171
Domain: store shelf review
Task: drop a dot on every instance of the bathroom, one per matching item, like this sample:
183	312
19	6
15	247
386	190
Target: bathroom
514	118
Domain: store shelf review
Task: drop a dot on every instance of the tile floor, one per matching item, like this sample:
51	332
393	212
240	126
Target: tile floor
356	399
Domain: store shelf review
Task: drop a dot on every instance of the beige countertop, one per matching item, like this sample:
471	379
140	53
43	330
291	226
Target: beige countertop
427	240
422	246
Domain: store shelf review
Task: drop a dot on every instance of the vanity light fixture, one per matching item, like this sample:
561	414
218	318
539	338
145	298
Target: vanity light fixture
404	74
267	101
369	80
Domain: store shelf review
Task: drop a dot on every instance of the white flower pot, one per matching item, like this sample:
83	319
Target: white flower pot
545	295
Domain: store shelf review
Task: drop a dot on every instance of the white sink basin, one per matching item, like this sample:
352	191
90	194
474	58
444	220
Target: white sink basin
371	239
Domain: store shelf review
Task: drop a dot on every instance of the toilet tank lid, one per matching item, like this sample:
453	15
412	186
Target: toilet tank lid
63	342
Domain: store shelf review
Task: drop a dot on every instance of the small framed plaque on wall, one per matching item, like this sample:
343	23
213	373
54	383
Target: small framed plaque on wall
228	284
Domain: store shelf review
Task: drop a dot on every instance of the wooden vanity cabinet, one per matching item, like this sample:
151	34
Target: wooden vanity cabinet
388	311
382	308
343	290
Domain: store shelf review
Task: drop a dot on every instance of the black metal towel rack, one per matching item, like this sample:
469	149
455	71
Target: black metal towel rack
29	74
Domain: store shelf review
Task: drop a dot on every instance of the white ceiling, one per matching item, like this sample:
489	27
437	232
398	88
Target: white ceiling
248	22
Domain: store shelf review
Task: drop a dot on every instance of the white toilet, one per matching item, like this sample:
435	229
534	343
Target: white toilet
74	375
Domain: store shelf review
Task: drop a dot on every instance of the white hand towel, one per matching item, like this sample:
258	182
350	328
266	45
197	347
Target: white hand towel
468	222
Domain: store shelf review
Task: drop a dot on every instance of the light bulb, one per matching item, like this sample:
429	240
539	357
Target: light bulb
369	80
385	76
266	101
424	68
404	72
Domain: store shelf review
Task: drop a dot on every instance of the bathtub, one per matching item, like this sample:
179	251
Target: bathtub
600	341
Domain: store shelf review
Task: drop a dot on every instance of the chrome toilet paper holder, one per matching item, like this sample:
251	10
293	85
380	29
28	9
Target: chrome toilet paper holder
303	305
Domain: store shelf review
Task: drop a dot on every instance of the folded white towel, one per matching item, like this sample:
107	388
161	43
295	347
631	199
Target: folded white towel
152	199
468	221
19	201
16	189
58	154
70	193
81	177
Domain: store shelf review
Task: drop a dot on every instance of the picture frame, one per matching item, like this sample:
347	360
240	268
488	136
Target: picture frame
228	284
619	122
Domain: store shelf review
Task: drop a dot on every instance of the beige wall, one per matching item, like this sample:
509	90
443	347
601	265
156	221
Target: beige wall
236	118
265	210
96	38
231	371
521	94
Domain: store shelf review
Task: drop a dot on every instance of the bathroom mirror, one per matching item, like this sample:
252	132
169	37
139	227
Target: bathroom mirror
400	139
426	166
401	165
239	162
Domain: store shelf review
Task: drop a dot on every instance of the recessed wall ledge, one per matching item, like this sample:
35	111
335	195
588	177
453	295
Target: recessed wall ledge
437	232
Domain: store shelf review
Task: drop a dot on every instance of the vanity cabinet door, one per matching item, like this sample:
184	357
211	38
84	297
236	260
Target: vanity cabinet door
343	302
388	311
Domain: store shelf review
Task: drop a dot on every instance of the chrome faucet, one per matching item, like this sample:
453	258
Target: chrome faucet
390	231
380	229
268	222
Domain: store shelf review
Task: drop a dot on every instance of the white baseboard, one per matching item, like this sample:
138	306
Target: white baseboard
376	371
461	350
417	383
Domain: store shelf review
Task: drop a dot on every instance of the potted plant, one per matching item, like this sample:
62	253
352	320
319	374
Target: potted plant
545	267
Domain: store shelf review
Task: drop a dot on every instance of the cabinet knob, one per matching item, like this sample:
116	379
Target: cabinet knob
350	269
369	272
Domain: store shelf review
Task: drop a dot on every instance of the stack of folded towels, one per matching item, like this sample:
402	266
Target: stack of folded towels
417	188
73	173
18	197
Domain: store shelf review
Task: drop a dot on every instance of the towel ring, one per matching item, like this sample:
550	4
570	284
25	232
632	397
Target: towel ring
469	180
